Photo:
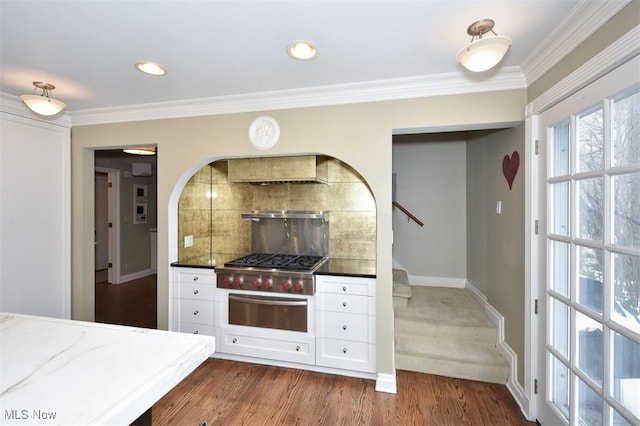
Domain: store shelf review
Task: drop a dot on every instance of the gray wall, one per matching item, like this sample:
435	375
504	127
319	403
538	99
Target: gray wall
430	183
497	241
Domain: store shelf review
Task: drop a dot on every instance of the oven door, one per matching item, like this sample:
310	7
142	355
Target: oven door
279	313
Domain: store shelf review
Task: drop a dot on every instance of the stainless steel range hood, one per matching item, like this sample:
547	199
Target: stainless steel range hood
279	170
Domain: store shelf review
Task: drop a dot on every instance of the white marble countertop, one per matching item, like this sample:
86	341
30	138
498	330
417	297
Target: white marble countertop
63	372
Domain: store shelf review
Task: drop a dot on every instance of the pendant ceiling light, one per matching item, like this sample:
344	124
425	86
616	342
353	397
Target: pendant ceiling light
483	53
43	104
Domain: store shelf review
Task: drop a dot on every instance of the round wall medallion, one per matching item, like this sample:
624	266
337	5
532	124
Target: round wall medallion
264	132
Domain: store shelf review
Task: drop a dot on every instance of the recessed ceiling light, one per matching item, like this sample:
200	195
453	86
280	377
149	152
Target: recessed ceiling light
151	68
141	151
302	50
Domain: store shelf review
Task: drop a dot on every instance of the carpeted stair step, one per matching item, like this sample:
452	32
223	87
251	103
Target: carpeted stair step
481	364
445	331
434	332
401	289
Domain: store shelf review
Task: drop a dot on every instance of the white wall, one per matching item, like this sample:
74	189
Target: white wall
431	183
35	264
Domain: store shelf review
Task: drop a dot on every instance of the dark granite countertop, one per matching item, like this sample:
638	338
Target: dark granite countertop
345	267
190	265
349	267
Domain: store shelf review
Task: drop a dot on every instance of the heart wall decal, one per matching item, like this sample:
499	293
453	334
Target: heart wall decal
510	167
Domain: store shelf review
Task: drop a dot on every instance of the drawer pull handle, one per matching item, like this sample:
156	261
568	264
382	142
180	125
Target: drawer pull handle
344	288
195	291
195	278
297	348
195	332
344	304
195	312
344	327
344	350
234	340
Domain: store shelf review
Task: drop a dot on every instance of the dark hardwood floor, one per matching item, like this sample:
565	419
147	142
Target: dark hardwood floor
132	303
224	392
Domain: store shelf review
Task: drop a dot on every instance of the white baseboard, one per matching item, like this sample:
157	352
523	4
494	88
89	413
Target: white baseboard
386	383
505	350
135	276
421	280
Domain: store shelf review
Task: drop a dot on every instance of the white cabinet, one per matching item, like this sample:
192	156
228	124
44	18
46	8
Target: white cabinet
193	301
345	323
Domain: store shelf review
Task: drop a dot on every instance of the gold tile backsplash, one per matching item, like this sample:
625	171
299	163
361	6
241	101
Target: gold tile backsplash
210	210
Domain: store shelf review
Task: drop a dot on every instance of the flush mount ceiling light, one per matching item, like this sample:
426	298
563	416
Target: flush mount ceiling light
483	54
141	151
43	104
302	50
151	68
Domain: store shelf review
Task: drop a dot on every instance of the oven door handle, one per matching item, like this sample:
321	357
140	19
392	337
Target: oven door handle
260	301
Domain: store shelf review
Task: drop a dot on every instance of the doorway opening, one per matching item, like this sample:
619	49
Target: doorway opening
125	239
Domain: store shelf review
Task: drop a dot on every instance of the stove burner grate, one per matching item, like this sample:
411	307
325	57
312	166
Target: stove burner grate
289	262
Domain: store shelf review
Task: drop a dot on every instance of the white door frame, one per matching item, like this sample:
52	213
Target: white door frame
113	178
101	215
622	50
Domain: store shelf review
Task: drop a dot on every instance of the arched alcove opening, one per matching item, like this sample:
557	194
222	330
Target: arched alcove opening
206	206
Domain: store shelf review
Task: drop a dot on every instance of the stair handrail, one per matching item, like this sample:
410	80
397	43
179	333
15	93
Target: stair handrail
408	213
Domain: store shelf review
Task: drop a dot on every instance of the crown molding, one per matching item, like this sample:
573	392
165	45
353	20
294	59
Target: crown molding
622	50
582	22
13	105
373	91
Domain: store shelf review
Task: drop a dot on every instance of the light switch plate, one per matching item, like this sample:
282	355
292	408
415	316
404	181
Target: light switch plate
188	241
499	207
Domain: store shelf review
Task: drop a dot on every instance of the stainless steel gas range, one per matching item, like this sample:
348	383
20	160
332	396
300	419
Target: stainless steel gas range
273	286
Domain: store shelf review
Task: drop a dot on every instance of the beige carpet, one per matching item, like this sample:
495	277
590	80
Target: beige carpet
445	331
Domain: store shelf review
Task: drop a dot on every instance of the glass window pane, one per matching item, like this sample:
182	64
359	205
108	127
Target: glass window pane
559	264
589	347
560	215
589	405
626	209
560	331
560	149
590	277
591	198
626	373
626	130
560	386
618	420
626	291
590	139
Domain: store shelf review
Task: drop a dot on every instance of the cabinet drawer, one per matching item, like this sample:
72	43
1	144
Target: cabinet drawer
186	327
195	276
195	311
354	327
194	291
237	341
345	285
342	288
346	355
342	303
